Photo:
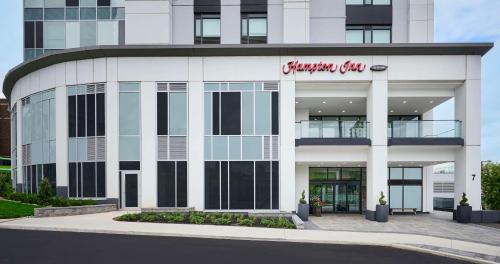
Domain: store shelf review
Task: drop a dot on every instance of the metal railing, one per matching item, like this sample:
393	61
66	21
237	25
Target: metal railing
331	129
425	129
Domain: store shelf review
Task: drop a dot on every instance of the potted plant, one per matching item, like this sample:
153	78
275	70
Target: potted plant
317	205
382	210
303	210
464	210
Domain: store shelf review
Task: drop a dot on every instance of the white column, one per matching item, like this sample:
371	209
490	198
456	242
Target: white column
296	21
301	182
287	148
61	140
112	164
196	165
148	145
230	22
377	157
468	158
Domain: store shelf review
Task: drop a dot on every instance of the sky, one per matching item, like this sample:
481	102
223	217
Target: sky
455	21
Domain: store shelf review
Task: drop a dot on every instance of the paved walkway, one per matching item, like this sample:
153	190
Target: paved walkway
103	223
438	224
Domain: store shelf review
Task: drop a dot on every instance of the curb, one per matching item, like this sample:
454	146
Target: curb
442	254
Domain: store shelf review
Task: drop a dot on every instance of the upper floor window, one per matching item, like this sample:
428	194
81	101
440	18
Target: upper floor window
253	28
368	2
207	29
368	34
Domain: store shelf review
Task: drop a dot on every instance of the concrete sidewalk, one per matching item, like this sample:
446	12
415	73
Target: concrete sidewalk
103	223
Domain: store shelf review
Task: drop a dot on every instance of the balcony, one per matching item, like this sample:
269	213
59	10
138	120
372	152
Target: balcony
331	133
425	132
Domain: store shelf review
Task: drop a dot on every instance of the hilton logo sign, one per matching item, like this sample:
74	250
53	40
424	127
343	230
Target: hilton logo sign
296	66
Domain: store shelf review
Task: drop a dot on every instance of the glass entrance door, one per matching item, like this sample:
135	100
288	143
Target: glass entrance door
338	197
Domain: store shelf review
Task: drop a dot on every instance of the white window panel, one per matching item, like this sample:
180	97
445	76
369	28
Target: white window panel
119	3
257	27
211	27
107	33
33	3
55	3
381	36
55	35
354	36
72	35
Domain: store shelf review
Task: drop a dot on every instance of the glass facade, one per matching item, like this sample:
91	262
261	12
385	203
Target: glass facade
207	29
405	188
38	140
342	189
368	34
130	122
62	24
87	141
171	125
253	28
241	146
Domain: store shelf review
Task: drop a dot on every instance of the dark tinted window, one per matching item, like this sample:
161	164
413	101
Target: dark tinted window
89	179
262	185
72	116
101	116
90	115
241	185
181	184
166	184
230	113
212	185
162	113
275	184
224	185
215	113
81	115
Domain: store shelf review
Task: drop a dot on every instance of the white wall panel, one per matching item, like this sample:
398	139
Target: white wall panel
241	69
153	69
427	67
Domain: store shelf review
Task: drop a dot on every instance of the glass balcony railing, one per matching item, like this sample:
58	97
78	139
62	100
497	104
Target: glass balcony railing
331	129
425	129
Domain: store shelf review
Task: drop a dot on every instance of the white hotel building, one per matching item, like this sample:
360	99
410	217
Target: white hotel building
240	105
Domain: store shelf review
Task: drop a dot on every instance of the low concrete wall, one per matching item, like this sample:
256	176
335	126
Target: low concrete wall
486	216
167	210
74	210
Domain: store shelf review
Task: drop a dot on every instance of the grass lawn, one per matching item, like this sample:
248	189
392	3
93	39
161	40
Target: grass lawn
9	209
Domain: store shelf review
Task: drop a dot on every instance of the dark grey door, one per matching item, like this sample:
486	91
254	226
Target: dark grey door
131	195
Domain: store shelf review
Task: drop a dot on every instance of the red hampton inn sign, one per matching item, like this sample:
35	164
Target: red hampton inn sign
348	66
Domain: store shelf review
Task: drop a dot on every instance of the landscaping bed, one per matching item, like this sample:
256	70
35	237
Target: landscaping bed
201	218
11	209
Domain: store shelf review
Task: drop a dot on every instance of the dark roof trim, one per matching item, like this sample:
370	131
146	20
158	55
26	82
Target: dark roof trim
238	50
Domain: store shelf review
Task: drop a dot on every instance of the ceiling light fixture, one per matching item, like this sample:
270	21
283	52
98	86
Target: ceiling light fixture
324	102
416	111
431	102
392	111
319	111
343	111
404	102
350	102
296	102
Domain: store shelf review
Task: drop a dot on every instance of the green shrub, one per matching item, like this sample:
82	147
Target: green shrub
245	221
128	217
72	202
5	186
197	218
59	202
220	219
150	217
279	222
27	198
490	185
175	218
44	192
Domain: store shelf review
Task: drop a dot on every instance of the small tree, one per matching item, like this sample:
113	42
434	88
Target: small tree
381	200
464	201
44	191
303	197
490	183
5	185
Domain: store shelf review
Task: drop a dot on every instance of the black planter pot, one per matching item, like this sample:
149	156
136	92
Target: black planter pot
464	214
303	212
382	213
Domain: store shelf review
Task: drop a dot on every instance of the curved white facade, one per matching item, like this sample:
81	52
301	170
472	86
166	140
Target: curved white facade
410	78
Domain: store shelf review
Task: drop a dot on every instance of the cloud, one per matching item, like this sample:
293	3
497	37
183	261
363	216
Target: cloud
467	20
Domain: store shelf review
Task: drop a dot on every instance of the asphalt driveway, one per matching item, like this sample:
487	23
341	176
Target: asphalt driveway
42	247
